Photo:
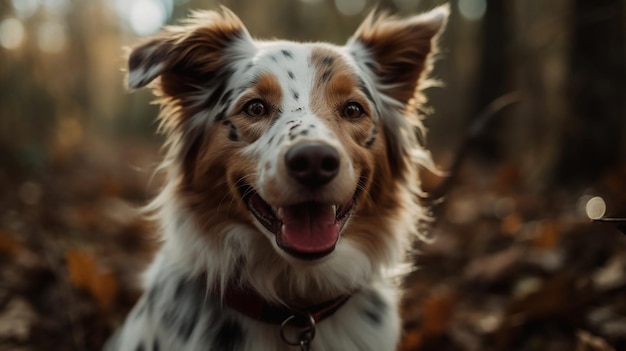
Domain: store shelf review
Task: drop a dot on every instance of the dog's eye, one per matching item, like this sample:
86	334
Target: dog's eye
255	108
352	110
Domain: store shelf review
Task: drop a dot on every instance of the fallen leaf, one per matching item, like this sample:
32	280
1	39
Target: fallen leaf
81	266
548	236
437	313
84	273
412	340
8	244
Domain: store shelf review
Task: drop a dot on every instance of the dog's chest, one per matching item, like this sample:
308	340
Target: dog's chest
176	314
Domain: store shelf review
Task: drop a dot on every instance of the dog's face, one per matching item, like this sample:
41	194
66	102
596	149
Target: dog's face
310	144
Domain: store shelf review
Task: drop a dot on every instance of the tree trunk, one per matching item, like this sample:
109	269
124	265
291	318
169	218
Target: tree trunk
593	133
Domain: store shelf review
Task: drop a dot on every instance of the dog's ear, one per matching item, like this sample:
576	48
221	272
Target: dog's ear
397	51
194	51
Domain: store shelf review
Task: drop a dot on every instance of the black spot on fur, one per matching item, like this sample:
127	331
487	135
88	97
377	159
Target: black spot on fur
291	121
169	318
152	296
226	97
373	316
365	90
201	78
372	138
304	132
376	309
140	310
326	76
229	337
135	59
291	75
232	133
220	116
287	54
371	65
157	56
214	98
182	309
271	139
294	127
312	126
180	289
212	79
187	325
328	60
296	95
377	301
274	58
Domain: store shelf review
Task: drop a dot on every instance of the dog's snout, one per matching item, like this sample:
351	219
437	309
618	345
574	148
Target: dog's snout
312	165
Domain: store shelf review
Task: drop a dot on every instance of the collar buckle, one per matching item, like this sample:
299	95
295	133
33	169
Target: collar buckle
306	335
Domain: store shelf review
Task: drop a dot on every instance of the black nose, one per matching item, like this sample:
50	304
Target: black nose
312	165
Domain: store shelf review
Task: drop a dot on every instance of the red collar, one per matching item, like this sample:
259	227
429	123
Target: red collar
248	302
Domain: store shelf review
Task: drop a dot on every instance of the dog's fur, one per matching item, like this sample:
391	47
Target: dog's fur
232	108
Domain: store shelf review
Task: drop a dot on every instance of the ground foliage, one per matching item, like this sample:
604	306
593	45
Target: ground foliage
510	269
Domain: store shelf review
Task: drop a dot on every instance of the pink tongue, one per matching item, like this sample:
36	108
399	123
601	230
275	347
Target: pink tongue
309	228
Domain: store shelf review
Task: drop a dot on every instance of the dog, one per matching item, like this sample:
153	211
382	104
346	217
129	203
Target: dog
291	198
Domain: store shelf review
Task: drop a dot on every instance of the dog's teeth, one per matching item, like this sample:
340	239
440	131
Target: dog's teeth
334	208
279	213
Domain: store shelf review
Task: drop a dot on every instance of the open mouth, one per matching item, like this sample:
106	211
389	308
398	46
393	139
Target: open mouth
308	230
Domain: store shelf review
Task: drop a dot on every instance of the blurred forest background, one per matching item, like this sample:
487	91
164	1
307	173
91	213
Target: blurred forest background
530	122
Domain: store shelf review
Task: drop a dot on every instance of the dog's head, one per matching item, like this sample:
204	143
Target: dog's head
288	155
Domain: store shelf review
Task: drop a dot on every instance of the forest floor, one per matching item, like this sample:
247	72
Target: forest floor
508	270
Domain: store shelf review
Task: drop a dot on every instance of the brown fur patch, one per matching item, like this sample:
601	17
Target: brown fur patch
212	194
401	49
213	191
189	57
192	57
378	194
267	89
337	84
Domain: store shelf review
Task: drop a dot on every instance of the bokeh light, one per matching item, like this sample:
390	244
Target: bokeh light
595	208
25	8
56	6
51	37
11	33
350	7
472	10
147	16
144	17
